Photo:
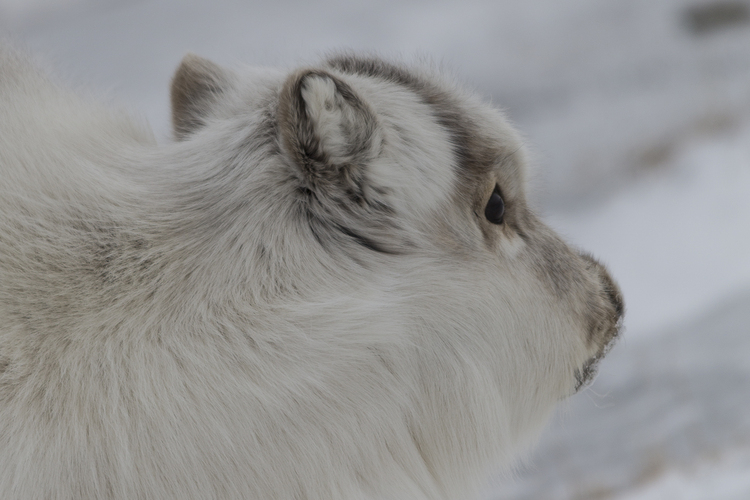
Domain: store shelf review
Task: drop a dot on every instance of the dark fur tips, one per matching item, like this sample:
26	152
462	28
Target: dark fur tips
327	129
195	85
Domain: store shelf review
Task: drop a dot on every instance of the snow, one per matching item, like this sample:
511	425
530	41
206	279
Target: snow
640	128
727	478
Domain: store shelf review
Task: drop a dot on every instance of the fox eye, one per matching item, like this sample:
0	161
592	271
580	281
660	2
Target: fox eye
495	208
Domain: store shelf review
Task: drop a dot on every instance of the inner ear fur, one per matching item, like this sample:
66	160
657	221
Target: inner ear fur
195	86
328	130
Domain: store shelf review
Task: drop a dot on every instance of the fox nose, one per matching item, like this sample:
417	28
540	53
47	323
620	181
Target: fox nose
612	308
612	290
606	323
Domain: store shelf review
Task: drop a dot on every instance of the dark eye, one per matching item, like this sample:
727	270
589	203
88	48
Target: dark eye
495	207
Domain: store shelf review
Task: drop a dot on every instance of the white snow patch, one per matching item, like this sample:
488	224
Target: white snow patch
727	478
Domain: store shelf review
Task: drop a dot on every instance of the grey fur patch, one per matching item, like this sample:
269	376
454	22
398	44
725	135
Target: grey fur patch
334	194
195	86
587	373
607	306
303	141
475	155
337	224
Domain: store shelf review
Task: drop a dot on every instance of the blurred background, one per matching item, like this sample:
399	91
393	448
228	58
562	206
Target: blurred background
638	117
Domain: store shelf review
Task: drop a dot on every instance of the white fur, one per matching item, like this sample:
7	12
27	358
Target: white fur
424	186
169	327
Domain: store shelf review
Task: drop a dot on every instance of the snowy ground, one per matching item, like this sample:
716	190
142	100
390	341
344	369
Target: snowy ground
639	115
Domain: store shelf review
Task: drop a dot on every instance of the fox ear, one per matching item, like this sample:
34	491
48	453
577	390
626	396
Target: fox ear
195	86
327	129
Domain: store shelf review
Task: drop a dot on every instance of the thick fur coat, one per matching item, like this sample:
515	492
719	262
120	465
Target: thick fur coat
329	286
